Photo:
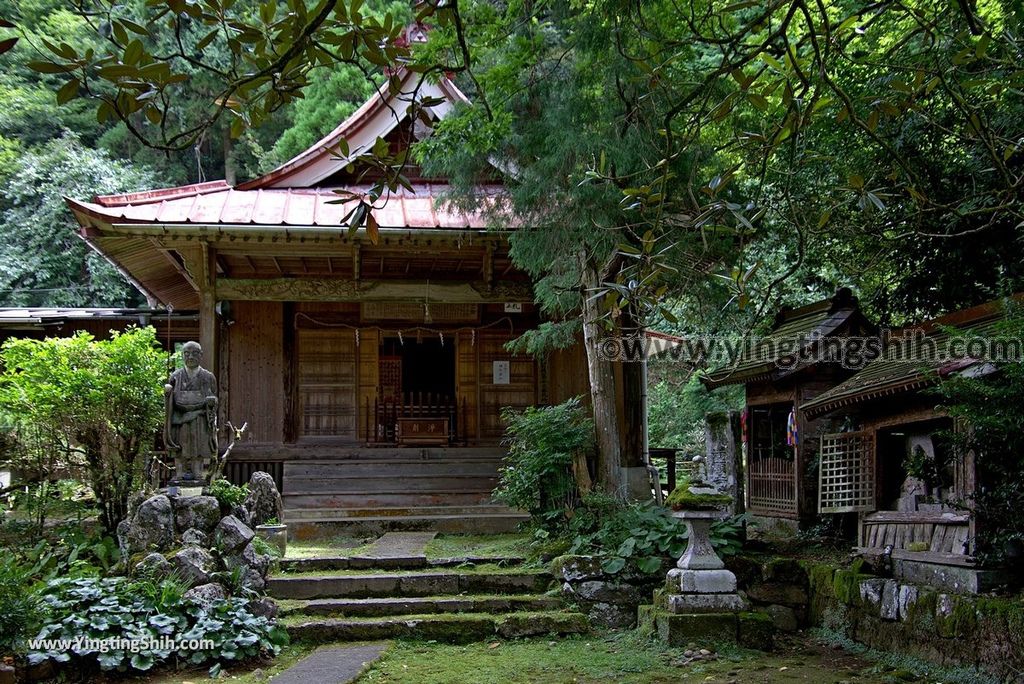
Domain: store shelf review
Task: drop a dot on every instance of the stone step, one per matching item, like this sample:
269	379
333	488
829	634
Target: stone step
314	523
383	468
326	563
396	483
421	605
455	628
389	585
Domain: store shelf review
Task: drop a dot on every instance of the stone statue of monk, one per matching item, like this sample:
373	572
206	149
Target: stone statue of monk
190	430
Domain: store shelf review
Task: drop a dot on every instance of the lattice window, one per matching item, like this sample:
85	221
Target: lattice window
846	475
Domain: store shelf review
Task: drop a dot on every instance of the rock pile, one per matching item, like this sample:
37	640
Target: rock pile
189	536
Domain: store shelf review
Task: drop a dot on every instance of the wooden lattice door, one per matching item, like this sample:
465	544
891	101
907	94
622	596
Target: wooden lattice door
846	472
326	384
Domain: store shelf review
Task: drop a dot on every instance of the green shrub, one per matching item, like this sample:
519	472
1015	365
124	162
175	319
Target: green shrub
264	548
115	608
640	536
227	494
84	404
987	408
19	608
543	443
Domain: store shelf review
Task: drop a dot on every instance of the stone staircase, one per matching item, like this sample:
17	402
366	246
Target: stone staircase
379	489
444	602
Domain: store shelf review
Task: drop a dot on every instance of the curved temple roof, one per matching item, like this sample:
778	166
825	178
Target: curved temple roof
299	201
219	204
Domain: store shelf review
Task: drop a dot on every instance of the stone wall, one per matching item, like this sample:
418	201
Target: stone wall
608	599
949	629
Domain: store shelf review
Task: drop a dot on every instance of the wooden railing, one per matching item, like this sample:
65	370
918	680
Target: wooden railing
239	472
236	472
771	483
382	416
672	464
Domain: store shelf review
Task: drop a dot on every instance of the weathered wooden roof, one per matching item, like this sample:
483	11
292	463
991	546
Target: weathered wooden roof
806	325
887	376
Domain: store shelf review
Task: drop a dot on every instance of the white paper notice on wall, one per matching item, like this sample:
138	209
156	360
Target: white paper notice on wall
502	373
513	307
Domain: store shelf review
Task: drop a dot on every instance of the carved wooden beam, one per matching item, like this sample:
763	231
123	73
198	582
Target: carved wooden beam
337	290
178	266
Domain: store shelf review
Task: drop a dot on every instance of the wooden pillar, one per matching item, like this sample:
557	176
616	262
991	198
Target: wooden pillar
290	372
208	323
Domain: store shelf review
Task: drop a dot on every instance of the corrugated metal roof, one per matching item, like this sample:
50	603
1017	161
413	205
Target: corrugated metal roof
219	204
886	376
807	324
56	314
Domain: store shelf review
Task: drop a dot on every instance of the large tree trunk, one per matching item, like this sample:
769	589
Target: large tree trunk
602	385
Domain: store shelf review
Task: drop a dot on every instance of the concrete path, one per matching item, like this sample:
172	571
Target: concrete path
332	665
400	545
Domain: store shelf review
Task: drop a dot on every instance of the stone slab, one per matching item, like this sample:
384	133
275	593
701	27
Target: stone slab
679	630
702	581
706	603
954	578
332	665
400	545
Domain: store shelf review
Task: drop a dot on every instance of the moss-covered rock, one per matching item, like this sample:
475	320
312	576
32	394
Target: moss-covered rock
679	630
956	617
683	498
574	568
757	631
846	584
785	570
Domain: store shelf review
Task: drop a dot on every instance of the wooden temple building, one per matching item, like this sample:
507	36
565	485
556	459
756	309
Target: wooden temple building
781	440
826	439
371	374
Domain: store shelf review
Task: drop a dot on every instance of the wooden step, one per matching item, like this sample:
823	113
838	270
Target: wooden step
390	585
332	514
449	628
390	501
327	453
421	605
397	483
347	469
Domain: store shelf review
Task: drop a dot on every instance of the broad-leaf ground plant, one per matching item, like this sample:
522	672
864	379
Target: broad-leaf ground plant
116	608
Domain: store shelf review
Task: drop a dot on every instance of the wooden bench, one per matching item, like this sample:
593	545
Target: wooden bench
944	533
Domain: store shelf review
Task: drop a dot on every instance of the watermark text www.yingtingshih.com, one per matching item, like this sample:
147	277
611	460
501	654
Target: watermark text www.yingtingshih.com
854	352
118	644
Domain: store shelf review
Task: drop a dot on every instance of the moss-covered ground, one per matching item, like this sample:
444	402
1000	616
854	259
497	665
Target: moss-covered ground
479	546
626	658
622	658
337	545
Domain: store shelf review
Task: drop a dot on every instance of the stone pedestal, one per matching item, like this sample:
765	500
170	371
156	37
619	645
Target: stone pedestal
700	578
186	487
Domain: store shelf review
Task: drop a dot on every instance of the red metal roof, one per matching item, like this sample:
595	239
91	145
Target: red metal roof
219	204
